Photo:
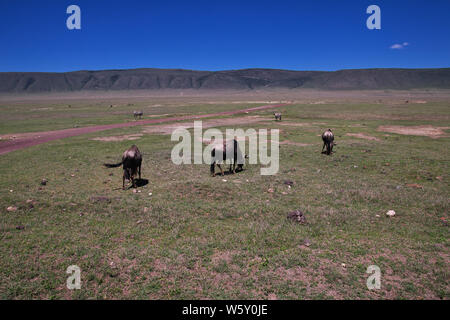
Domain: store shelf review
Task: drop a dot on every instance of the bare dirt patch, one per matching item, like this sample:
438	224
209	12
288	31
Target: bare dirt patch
427	130
119	138
169	128
363	136
302	124
298	144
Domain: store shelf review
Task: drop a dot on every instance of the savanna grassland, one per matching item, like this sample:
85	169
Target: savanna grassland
187	235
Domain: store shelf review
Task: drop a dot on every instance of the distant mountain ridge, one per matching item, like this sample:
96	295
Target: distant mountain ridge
245	79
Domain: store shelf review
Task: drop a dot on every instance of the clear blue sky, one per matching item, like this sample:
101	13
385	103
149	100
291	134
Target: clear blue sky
217	35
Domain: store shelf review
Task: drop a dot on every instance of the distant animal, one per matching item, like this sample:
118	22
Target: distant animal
228	150
137	114
328	141
277	116
131	161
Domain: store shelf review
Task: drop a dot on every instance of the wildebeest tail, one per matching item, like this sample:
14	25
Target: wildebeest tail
213	159
109	165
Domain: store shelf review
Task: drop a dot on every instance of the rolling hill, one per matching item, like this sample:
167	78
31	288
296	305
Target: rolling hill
245	79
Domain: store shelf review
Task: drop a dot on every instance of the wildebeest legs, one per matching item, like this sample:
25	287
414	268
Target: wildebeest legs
221	169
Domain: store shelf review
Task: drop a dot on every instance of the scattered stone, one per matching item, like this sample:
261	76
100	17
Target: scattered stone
134	190
139	221
11	208
306	242
150	193
414	185
11	190
343	265
297	216
44	182
101	199
224	180
439	178
390	213
377	215
146	209
270	190
398	187
289	182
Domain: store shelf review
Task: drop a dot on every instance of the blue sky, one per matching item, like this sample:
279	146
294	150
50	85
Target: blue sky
218	35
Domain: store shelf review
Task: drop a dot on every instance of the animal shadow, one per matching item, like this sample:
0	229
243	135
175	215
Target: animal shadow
139	183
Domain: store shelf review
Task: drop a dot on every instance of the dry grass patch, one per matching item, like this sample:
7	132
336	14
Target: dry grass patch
426	130
363	136
119	138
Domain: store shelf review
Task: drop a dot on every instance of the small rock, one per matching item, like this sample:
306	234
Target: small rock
44	182
139	221
343	265
414	185
224	180
145	209
306	242
11	190
11	208
297	216
20	227
270	190
134	191
289	182
377	215
390	213
439	178
150	193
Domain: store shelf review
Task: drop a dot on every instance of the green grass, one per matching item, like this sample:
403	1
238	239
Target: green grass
201	237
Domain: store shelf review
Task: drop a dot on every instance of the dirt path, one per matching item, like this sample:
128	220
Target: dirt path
35	138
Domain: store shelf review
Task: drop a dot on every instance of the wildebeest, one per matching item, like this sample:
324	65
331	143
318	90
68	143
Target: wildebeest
131	161
328	139
227	150
277	116
137	114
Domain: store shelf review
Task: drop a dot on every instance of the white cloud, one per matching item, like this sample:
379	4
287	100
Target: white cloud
399	46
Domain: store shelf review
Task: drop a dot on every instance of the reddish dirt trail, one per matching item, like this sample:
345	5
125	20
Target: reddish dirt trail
36	138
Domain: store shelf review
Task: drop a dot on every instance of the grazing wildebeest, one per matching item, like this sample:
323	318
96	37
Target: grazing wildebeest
277	116
131	161
137	114
328	139
222	152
